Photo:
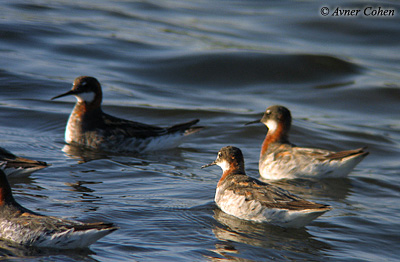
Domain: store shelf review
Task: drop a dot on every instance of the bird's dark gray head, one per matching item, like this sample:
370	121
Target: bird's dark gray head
86	89
277	115
227	157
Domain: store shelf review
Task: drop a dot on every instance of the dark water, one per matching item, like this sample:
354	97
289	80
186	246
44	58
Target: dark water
164	62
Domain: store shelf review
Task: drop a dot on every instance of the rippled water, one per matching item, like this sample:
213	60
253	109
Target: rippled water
224	62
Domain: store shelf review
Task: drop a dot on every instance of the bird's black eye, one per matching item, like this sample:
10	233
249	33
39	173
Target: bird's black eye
268	112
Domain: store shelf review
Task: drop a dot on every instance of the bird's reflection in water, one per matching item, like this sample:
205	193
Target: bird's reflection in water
333	189
266	241
87	194
78	186
83	154
10	250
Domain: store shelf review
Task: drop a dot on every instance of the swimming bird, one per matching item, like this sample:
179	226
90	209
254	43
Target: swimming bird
25	227
15	166
281	159
250	199
89	126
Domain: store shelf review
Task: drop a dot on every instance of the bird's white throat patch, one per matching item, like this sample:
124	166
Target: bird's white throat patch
272	125
223	164
87	97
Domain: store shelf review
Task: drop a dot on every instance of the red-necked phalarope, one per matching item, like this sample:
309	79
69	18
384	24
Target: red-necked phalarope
15	166
250	199
28	228
280	159
89	126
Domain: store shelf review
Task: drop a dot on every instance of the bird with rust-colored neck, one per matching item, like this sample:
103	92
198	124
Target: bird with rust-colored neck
16	166
25	227
89	126
250	199
280	159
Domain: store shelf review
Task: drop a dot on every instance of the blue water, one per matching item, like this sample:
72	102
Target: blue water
224	62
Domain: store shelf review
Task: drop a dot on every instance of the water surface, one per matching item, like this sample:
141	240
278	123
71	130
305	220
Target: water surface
224	62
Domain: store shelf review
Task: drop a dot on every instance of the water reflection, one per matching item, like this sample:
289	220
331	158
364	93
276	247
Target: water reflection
78	186
83	154
334	189
9	250
265	240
